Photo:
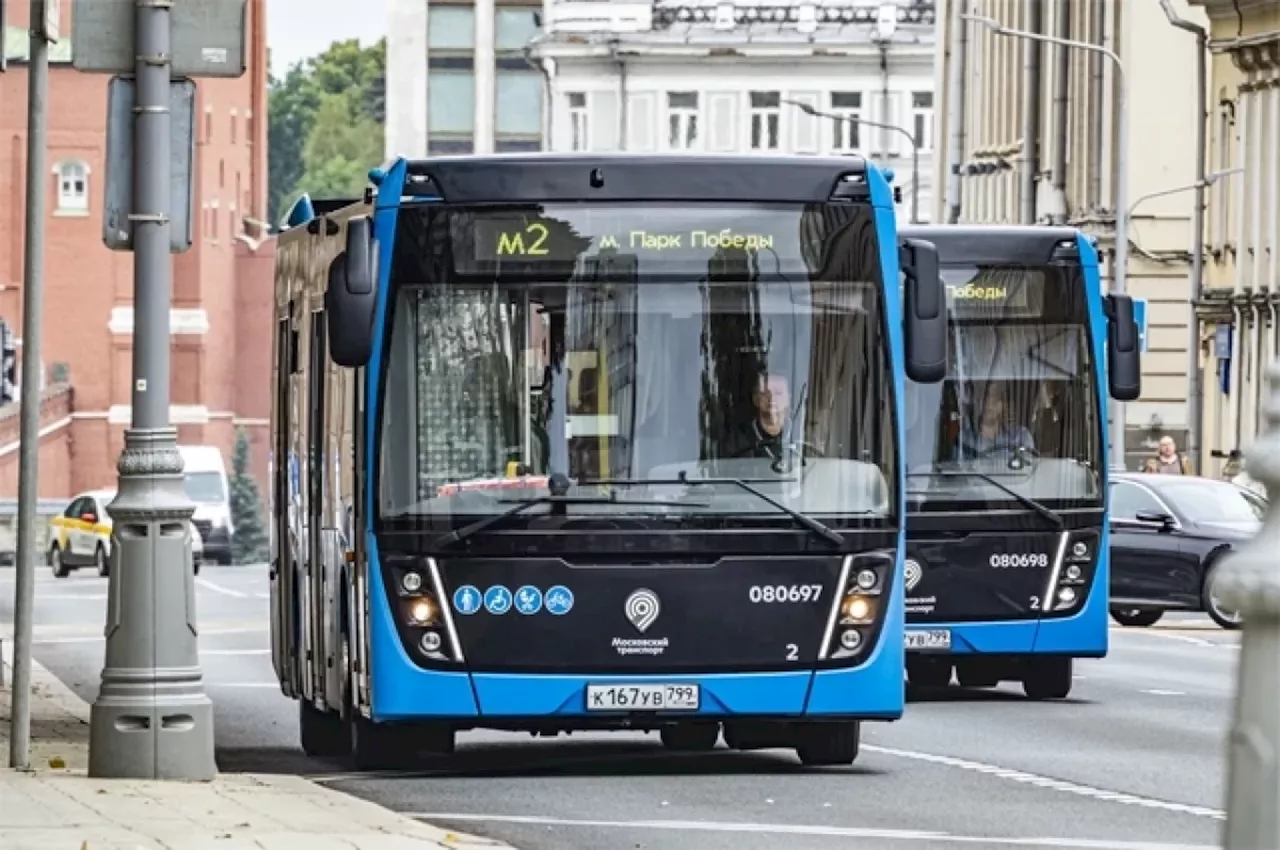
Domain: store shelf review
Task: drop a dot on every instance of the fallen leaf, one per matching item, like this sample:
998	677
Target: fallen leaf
57	763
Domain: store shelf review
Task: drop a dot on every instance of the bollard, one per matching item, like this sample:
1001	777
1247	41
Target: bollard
1250	584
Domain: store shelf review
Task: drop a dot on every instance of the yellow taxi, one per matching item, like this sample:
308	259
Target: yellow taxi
81	536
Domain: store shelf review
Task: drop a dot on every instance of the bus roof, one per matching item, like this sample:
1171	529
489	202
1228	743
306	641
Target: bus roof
555	177
1027	245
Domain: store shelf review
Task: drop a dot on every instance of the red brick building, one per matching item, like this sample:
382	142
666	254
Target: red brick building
221	318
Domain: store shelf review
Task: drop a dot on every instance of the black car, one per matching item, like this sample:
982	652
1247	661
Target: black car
1169	534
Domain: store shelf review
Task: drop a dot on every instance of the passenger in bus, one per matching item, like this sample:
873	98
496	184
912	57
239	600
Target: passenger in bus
992	432
767	433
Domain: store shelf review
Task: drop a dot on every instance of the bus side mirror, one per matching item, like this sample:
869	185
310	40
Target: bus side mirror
350	299
926	312
1124	356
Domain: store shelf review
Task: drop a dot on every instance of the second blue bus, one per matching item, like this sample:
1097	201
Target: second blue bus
1007	461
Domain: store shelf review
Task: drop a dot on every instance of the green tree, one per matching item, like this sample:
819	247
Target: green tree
357	77
343	144
249	546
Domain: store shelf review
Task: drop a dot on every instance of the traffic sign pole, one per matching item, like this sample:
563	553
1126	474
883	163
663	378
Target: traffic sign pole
152	719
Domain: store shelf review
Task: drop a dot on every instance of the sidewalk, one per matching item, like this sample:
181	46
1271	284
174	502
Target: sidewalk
57	807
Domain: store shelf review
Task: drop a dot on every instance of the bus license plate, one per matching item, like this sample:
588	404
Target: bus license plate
928	639
643	697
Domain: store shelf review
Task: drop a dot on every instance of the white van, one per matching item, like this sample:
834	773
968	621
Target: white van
205	477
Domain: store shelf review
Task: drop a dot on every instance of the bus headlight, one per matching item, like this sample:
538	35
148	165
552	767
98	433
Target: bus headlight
422	612
856	609
1073	572
411	582
430	642
867	579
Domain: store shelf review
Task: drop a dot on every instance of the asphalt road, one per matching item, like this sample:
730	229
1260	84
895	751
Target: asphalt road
1134	761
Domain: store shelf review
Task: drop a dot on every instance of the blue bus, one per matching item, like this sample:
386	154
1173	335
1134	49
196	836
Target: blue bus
571	443
1007	570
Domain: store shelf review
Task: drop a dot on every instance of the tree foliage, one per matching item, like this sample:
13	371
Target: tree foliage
249	545
326	123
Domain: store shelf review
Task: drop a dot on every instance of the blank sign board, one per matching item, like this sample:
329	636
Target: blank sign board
206	37
117	229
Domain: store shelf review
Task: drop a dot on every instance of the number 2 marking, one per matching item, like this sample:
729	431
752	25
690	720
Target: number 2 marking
540	233
793	652
1035	603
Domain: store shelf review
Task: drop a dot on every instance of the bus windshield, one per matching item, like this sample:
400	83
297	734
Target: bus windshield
638	345
1019	407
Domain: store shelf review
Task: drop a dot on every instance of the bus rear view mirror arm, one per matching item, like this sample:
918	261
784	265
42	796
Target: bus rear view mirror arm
1124	353
925	312
350	299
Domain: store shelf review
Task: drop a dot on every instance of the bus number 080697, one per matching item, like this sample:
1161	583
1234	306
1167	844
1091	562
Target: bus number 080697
771	593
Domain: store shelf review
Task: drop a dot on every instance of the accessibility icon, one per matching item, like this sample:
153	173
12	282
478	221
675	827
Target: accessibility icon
559	600
497	600
466	599
528	600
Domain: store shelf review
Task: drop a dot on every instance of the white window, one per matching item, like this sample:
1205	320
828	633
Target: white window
922	119
682	120
579	126
73	186
766	120
846	129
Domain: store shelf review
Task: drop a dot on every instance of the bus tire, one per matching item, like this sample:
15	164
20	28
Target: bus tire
1047	678
322	733
377	747
828	744
693	737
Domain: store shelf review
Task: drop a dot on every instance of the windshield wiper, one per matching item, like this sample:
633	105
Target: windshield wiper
522	505
805	521
1025	501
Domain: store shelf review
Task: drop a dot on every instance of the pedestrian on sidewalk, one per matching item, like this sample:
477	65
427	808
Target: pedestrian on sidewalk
1167	460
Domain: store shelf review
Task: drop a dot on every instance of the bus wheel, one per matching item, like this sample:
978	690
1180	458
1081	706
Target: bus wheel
690	737
1047	678
924	671
820	744
323	733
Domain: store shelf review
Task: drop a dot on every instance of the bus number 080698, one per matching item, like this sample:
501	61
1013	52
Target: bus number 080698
771	593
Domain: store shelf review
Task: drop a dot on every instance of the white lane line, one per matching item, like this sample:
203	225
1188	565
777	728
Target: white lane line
805	829
1054	784
1194	641
1159	692
100	638
217	588
64	597
262	595
235	652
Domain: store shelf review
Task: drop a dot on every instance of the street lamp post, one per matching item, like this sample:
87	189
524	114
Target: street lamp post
809	109
1250	585
1121	271
1209	180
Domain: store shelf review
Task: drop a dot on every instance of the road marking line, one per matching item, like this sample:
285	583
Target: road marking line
805	829
1166	636
1157	692
1055	784
235	652
262	595
97	638
63	597
274	685
217	588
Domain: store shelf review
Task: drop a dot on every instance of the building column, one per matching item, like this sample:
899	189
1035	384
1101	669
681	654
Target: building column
485	76
407	64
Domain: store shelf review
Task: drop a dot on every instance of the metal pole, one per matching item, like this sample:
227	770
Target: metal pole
1195	384
151	719
1061	104
1250	585
957	73
915	182
29	410
1030	115
1121	270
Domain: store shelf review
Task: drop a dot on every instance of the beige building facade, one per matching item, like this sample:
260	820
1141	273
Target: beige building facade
1239	305
1038	144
